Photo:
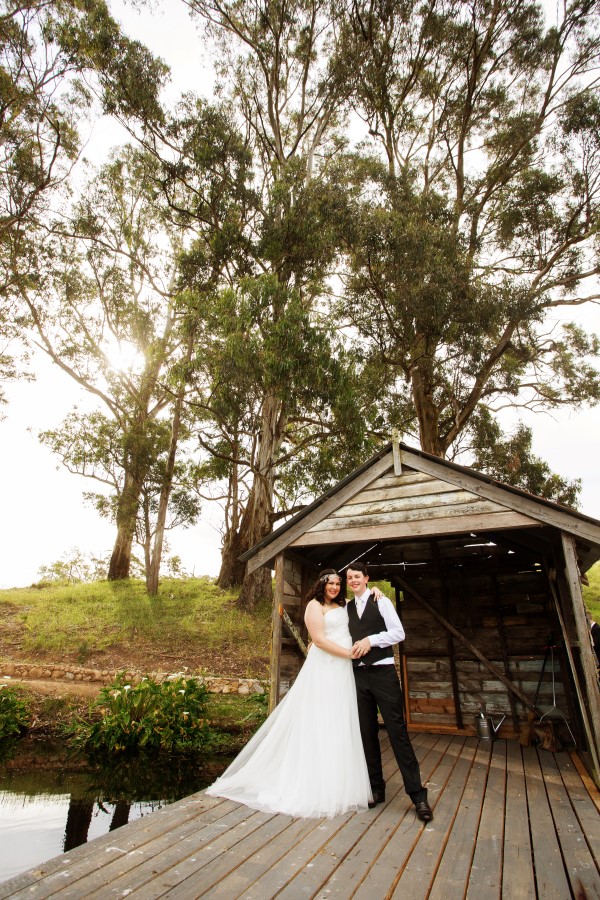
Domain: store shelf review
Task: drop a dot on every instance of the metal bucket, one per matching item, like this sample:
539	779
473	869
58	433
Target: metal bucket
485	728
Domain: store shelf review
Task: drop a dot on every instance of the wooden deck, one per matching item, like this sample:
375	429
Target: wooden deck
509	822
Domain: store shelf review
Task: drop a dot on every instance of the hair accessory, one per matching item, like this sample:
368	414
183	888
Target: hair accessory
325	578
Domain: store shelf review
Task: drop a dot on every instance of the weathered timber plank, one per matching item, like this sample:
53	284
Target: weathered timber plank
485	879
450	498
302	855
332	852
477	522
68	868
417	877
199	868
378	492
452	875
579	863
529	506
518	882
324	863
409	476
411	514
247	872
586	807
551	880
143	872
395	853
384	822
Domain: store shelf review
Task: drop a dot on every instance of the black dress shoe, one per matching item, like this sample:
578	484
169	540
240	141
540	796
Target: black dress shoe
424	811
378	797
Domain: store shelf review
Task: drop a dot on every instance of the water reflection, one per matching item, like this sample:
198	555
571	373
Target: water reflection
49	804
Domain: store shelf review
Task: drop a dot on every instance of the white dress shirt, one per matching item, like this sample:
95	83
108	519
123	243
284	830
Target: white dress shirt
394	632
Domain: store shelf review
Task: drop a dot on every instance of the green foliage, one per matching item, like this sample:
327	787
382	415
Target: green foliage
167	716
14	713
591	592
510	459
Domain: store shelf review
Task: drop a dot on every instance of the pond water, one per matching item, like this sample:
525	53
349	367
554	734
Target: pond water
49	803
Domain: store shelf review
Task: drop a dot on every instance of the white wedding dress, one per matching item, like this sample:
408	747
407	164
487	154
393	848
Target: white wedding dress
307	758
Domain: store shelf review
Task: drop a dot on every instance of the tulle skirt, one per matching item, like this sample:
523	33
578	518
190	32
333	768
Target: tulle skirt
307	759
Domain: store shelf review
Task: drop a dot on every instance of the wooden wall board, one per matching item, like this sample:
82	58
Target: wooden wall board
424	527
467	508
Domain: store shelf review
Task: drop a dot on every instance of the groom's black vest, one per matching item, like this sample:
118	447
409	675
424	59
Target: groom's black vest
371	622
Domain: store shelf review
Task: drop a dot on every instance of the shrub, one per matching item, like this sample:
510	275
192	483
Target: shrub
165	716
14	713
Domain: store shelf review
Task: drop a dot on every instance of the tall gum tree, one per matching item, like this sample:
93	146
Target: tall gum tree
48	51
479	211
106	283
274	69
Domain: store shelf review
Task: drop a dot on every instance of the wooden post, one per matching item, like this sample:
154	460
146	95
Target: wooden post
591	721
396	452
276	632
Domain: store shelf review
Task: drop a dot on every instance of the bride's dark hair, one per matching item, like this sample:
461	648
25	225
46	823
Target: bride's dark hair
317	591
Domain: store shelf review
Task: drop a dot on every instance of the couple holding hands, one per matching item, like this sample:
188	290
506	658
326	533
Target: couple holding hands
318	752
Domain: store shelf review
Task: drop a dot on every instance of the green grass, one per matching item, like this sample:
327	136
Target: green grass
190	612
591	594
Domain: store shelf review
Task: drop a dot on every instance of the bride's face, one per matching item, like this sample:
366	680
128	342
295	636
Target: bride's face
332	588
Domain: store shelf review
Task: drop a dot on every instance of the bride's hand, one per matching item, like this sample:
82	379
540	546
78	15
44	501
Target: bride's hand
377	594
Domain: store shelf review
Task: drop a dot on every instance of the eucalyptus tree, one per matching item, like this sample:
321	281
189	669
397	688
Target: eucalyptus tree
50	55
477	220
105	308
274	70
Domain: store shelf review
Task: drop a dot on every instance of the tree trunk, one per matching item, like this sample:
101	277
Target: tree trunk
163	503
257	518
231	573
427	413
127	510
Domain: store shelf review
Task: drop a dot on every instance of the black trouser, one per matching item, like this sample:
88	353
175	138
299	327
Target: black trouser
378	687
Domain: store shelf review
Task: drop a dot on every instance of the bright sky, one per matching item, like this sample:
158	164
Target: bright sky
43	514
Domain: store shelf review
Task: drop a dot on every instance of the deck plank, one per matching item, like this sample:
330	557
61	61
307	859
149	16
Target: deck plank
485	879
454	869
518	880
396	851
584	806
551	880
298	857
68	868
578	861
418	875
137	869
514	822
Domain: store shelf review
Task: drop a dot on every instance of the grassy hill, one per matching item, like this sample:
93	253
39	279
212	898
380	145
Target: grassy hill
115	625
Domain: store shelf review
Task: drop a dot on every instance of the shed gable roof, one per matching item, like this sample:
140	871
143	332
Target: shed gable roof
431	496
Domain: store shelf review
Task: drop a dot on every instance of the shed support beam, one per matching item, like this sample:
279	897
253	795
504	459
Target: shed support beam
463	640
590	711
276	632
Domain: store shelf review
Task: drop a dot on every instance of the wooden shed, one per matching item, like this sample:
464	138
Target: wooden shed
487	582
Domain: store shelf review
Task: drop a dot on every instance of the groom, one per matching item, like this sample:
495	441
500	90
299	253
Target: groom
375	628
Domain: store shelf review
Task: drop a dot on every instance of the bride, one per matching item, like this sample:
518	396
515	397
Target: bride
307	758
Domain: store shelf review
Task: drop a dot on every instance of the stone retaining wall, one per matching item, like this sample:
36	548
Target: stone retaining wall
69	673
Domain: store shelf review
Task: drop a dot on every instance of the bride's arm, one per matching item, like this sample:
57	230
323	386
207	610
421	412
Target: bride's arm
315	622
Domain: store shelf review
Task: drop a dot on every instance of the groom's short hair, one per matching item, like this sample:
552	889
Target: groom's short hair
359	567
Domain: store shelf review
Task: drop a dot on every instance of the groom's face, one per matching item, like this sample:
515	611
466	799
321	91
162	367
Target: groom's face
357	582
